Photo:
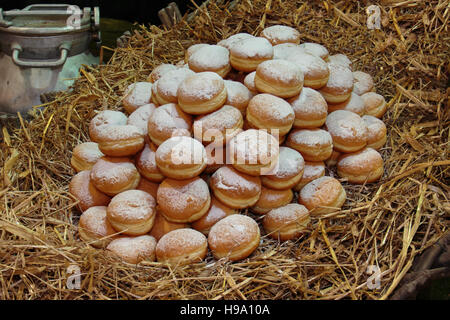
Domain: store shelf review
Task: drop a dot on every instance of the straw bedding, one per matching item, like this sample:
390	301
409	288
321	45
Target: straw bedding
385	224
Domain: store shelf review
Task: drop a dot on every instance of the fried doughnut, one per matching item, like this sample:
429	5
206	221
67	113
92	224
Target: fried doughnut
278	34
150	187
234	237
212	58
312	171
192	49
323	195
375	104
94	228
315	49
355	104
340	59
183	200
364	166
283	50
235	189
161	226
266	111
181	158
137	94
85	155
332	160
202	93
83	190
238	95
271	199
288	172
249	82
168	121
159	71
120	140
146	164
219	126
139	118
348	130
313	144
281	78
216	212
182	247
254	152
132	212
114	175
376	132
232	40
134	249
216	157
167	86
339	85
315	70
362	82
247	54
105	118
286	222
310	109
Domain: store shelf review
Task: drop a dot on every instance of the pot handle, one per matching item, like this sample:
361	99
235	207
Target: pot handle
16	49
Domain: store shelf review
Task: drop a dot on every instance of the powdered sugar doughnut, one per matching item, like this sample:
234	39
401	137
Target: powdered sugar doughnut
212	58
278	34
348	130
271	199
375	104
146	164
315	49
159	71
339	85
249	82
192	49
288	171
364	166
310	109
94	227
120	140
376	132
167	85
216	212
314	68
139	118
332	160
85	155
287	222
83	190
104	118
281	78
362	82
312	171
313	144
340	59
234	237
202	93
230	41
247	54
183	200
161	226
150	187
355	104
238	95
134	249
137	94
282	51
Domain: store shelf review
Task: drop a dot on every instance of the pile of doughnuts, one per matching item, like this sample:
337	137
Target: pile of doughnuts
238	132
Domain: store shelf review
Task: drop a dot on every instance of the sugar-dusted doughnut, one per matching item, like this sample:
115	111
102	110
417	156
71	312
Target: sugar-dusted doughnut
235	189
339	85
85	192
105	118
247	54
323	195
238	95
375	104
139	118
278	34
234	237
146	164
281	78
348	130
192	49
216	212
310	109
332	160
114	175
355	104
341	59
233	39
376	132
167	86
161	226
216	158
249	82
362	82
94	228
159	71
271	199
315	49
315	69
137	94
283	50
312	171
85	155
313	144
120	140
150	187
364	166
286	222
134	249
182	247
212	58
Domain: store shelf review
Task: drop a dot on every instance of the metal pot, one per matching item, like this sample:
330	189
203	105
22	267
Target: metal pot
40	47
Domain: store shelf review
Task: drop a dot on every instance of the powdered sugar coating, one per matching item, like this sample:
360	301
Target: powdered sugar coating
168	84
340	79
315	49
249	81
313	170
281	34
113	171
340	59
138	93
238	94
355	104
309	105
200	87
180	241
167	119
269	108
94	221
292	212
83	190
254	146
119	132
230	41
227	179
160	70
140	116
216	212
227	117
320	192
88	152
281	71
346	125
376	129
180	151
363	161
146	162
209	58
290	164
134	249
103	118
312	66
132	205
310	137
362	82
282	51
252	48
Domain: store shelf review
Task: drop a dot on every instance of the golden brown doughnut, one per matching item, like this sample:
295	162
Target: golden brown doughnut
150	187
202	93
254	152
339	85
234	237
182	247
375	104
286	222
310	109
288	171
94	228
364	166
105	118
183	200
137	94
235	189
146	164
161	226
315	49
362	82
192	49
315	70
114	175
278	34
312	171
139	118
167	86
355	104
332	160
120	140
238	95
271	199
159	71
85	155
341	59
376	132
266	111
323	195
313	144
168	121
216	212
83	190
134	249
348	130
281	78
249	82
181	158
212	58
216	158
233	39
219	126
283	50
132	212
247	54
